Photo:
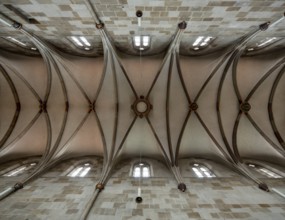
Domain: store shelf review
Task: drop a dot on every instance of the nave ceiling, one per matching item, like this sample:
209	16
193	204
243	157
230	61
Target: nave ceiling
223	102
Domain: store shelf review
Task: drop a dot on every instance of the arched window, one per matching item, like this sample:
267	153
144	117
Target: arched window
264	171
141	169
20	170
202	171
80	171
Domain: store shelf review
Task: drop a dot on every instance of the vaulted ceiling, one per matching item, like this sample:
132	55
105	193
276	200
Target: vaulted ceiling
224	101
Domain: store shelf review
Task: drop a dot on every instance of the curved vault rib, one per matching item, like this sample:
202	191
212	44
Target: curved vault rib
224	58
263	78
114	138
102	137
46	53
18	107
214	71
181	136
234	54
111	73
228	53
28	85
125	137
42	162
106	57
49	77
76	82
181	77
164	154
22	133
168	53
234	78
108	46
226	158
188	113
167	110
121	145
80	125
59	137
270	109
106	79
116	57
234	136
236	50
231	54
262	27
176	87
235	130
45	165
237	92
274	146
63	87
42	50
49	135
172	50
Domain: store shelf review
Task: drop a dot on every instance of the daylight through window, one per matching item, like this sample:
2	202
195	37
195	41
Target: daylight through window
264	171
21	169
80	171
202	171
141	170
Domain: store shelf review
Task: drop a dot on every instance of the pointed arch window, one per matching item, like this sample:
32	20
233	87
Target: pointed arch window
80	171
20	169
141	42
141	169
264	171
202	171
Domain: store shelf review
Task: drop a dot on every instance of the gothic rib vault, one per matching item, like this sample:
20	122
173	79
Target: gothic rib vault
219	106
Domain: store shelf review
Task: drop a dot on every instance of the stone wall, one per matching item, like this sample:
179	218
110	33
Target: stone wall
51	196
229	196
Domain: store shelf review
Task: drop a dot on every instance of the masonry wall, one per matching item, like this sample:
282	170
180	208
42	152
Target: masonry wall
229	196
53	195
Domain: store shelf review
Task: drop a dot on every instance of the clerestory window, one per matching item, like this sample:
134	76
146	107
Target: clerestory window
20	169
264	171
141	169
202	171
80	171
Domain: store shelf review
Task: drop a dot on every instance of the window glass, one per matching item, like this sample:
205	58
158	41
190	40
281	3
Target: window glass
20	170
80	171
264	171
141	170
202	171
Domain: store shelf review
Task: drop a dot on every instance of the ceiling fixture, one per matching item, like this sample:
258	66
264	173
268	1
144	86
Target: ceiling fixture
139	15
81	42
201	42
